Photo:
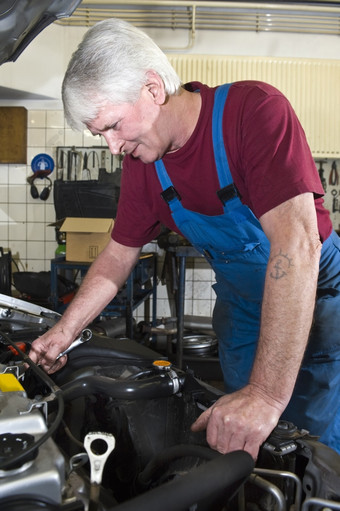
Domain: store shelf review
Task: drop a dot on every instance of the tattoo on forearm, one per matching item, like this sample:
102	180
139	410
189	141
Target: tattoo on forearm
280	264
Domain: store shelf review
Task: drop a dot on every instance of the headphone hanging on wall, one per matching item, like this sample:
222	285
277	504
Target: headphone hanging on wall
42	166
45	193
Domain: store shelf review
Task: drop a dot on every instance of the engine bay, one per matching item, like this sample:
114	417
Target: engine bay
111	430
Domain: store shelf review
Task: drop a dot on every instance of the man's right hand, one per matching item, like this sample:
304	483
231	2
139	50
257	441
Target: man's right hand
45	349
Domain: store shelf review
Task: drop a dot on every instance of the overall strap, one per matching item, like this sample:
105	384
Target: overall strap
169	193
228	190
162	174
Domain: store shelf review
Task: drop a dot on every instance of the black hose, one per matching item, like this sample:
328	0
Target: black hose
216	479
155	387
164	458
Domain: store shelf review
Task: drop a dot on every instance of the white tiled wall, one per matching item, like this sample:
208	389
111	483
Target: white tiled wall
24	221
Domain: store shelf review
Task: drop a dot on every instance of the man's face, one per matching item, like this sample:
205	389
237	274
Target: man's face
132	128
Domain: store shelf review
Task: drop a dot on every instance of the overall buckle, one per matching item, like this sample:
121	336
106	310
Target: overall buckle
170	194
227	193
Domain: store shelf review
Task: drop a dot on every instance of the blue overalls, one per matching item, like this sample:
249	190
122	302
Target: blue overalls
237	249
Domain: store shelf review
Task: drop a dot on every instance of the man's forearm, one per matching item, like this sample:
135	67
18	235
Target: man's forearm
287	314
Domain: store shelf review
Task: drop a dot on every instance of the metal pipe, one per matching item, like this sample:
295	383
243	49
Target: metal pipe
198	323
287	475
194	323
176	14
161	331
180	311
270	488
275	6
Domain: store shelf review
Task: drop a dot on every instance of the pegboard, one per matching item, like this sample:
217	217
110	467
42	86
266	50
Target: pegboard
83	163
329	172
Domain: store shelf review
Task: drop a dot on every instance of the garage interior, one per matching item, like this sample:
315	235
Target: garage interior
167	303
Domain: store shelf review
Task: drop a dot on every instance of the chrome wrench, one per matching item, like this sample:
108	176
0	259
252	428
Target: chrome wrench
85	336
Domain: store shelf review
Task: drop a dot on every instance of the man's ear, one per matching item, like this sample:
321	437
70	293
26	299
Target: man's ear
155	87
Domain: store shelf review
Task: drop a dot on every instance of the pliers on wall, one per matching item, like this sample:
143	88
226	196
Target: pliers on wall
333	175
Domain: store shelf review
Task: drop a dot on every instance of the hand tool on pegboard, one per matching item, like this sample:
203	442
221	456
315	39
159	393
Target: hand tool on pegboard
333	175
321	174
335	202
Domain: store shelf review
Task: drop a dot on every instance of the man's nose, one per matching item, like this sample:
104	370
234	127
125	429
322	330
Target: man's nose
114	142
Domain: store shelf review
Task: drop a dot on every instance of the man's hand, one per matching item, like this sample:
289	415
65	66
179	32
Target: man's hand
45	350
242	420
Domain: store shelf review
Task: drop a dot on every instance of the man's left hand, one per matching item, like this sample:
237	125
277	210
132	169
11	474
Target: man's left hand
241	420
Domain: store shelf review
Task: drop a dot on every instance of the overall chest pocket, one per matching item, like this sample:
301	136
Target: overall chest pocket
241	272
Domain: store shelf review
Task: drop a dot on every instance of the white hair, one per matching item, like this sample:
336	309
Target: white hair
110	65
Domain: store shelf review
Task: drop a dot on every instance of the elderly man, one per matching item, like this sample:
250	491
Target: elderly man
230	169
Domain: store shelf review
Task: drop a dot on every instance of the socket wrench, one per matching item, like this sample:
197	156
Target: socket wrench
85	336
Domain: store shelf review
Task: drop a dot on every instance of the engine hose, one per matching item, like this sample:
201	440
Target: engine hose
164	385
162	460
216	479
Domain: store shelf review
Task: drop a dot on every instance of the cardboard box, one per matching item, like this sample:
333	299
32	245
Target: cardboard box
86	237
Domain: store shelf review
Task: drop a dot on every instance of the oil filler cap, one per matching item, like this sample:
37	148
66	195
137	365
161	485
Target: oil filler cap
12	445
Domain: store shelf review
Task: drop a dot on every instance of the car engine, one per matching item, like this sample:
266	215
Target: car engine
111	430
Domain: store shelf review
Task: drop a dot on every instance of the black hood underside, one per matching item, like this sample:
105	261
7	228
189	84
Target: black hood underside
22	20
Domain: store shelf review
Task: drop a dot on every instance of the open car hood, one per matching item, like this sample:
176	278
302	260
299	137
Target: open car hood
22	20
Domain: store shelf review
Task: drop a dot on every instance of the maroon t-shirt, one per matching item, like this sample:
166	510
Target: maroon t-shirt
269	158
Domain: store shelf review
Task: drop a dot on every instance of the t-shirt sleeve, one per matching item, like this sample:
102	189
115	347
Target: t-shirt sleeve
135	223
275	160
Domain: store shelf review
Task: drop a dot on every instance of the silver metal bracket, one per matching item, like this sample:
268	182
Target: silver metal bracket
98	447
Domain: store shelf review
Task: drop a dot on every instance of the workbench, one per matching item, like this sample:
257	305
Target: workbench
140	287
